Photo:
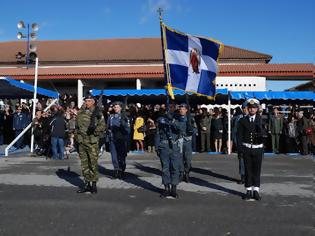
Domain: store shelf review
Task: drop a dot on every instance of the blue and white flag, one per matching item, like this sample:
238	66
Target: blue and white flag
191	62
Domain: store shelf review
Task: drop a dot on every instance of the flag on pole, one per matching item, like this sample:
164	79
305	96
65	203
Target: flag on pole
191	62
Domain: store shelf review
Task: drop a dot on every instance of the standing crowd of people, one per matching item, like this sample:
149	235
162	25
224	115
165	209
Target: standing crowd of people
173	132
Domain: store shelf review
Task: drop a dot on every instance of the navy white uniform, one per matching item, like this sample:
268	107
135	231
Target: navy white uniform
250	136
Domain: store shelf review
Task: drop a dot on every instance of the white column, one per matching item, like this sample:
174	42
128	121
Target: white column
229	125
80	93
34	101
138	84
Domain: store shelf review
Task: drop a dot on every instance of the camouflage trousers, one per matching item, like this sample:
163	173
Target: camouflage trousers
88	154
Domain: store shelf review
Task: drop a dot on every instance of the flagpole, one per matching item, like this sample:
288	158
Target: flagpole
166	77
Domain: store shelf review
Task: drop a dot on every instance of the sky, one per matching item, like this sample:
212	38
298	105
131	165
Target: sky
284	29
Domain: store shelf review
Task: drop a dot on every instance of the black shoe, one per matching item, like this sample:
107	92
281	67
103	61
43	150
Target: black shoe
173	194
248	196
85	189
186	177
166	192
256	196
94	188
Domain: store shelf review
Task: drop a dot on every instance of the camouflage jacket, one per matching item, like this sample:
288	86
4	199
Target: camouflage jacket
83	122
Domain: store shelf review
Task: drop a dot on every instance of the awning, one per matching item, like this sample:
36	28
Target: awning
142	92
273	95
10	88
147	96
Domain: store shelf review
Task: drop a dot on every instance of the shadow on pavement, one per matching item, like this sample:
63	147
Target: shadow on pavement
131	179
204	183
148	169
70	176
135	180
107	172
213	174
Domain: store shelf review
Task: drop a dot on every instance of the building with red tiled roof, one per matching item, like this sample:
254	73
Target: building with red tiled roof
65	65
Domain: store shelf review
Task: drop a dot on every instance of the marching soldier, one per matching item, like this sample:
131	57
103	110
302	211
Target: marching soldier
118	133
90	125
187	128
167	148
250	136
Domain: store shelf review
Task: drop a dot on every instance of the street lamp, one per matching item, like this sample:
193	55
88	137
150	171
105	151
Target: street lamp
31	48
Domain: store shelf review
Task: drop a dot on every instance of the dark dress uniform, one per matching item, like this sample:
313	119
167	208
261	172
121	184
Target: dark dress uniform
167	147
118	135
250	136
186	130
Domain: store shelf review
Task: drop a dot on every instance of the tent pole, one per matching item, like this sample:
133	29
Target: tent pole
229	125
34	102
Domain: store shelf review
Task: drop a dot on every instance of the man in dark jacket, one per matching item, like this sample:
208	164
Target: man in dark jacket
19	123
58	129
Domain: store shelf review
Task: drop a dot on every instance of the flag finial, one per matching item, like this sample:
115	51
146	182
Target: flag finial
160	11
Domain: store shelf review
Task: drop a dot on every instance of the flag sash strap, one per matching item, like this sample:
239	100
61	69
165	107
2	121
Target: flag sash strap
207	63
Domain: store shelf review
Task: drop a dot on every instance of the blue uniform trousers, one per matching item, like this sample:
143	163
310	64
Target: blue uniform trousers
186	156
118	151
170	160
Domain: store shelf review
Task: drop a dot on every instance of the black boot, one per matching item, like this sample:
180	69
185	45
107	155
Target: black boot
94	188
166	192
86	188
173	194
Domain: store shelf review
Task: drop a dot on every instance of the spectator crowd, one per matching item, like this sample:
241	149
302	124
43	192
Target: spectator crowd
288	130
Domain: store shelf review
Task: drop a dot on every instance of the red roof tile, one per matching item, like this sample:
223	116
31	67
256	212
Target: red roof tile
110	51
142	71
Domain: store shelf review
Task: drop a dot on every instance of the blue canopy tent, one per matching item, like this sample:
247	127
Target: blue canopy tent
156	95
275	96
10	88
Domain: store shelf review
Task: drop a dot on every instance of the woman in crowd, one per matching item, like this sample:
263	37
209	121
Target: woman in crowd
217	126
139	131
150	134
290	134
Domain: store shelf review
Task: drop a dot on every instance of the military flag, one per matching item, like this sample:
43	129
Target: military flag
190	62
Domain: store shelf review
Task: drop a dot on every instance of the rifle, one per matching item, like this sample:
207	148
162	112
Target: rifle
96	114
190	130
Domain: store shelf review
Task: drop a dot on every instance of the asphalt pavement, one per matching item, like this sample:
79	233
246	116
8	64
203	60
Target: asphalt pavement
38	197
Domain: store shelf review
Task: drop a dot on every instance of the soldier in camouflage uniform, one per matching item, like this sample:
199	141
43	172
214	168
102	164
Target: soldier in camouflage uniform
90	125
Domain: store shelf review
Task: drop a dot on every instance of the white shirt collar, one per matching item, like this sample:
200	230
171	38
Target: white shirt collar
252	117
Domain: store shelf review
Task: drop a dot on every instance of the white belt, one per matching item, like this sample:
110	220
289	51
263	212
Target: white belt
248	145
